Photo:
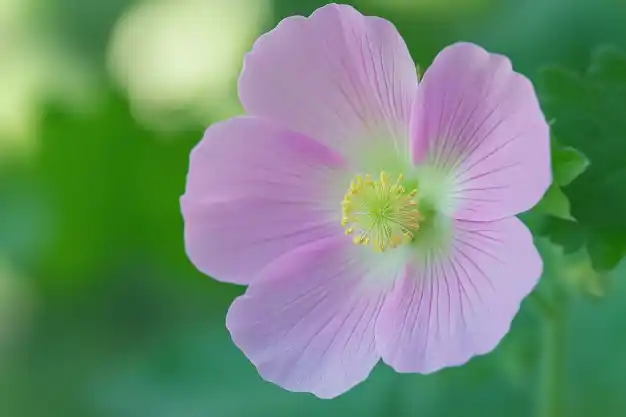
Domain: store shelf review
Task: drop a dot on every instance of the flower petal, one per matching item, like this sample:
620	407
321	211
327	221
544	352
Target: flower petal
449	308
480	122
308	322
338	76
255	192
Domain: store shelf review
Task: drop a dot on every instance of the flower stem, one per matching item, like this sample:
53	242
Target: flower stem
553	360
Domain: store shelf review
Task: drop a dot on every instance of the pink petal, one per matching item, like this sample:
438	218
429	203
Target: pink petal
307	323
447	309
337	76
480	121
254	192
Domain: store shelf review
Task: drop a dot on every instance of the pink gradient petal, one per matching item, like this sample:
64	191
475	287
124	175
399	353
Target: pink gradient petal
255	192
448	309
337	76
308	322
480	121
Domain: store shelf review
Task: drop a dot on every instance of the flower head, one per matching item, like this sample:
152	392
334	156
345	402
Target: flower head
371	217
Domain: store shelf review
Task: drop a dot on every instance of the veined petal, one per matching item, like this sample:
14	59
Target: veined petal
342	78
479	123
307	323
251	157
255	192
452	306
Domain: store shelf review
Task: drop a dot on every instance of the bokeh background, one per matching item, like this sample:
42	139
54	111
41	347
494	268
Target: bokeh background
101	313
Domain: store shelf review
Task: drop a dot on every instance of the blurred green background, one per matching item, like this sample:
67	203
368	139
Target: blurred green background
101	313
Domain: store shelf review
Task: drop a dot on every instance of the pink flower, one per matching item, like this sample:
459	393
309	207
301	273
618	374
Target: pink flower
372	218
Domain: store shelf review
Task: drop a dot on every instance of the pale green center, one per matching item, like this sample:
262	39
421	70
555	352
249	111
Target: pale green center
381	212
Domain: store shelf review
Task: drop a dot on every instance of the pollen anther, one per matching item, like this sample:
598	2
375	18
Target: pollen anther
380	213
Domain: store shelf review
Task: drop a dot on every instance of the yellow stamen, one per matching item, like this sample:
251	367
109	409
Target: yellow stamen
380	213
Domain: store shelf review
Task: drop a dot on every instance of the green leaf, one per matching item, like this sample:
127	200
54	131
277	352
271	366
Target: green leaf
589	116
555	203
606	253
569	235
567	164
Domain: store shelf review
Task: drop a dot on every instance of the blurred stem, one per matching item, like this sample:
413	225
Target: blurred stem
553	360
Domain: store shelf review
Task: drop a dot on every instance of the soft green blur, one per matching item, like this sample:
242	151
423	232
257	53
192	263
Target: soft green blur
101	313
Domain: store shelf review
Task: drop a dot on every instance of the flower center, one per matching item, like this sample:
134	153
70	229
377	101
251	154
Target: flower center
380	213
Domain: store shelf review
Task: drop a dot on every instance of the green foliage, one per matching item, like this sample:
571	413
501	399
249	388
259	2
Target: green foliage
589	114
114	188
567	163
555	203
552	215
24	220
